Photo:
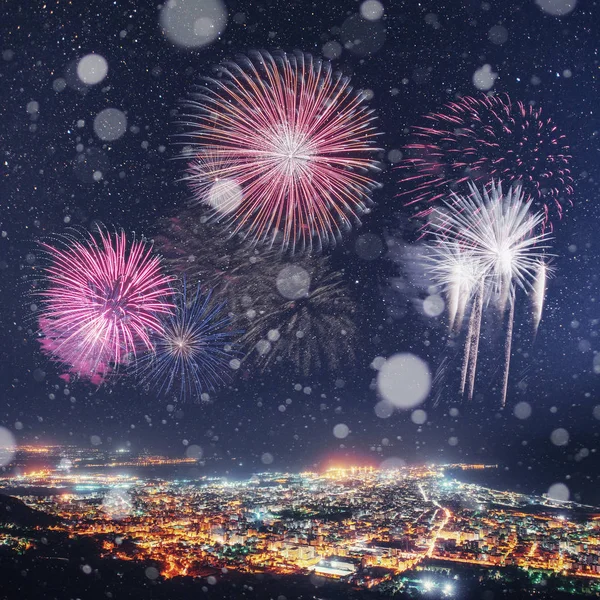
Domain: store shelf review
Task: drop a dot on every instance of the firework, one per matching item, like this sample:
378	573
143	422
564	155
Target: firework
193	349
281	150
102	301
297	311
488	245
208	180
485	138
498	230
307	318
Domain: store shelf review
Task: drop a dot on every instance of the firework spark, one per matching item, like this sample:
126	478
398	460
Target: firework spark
291	146
487	245
192	352
485	138
102	302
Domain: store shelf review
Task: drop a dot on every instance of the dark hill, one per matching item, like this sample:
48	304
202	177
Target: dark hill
15	512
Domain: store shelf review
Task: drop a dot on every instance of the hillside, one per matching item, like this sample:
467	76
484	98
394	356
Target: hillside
15	512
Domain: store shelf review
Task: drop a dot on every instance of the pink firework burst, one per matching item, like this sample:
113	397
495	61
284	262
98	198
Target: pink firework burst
282	150
485	138
103	299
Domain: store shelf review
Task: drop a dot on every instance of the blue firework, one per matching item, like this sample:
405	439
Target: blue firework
192	354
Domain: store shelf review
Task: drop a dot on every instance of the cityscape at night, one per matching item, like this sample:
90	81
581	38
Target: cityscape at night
299	299
407	529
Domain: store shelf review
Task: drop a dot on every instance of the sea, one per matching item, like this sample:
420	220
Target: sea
582	487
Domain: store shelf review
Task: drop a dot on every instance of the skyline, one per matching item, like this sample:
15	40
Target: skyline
194	463
403	528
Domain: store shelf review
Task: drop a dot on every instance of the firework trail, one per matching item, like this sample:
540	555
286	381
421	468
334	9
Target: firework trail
538	293
193	349
102	301
508	346
474	342
438	379
289	146
498	245
469	366
485	138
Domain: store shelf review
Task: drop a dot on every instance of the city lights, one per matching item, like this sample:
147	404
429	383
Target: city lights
351	523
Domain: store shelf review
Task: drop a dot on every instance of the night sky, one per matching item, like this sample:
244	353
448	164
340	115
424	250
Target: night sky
414	59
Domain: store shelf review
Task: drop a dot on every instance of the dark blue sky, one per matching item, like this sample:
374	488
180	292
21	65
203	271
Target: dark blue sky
423	55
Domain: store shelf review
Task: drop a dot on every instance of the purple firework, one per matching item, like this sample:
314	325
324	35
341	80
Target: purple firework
485	138
282	150
102	300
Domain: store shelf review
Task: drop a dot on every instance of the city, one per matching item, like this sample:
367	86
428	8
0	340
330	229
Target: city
413	527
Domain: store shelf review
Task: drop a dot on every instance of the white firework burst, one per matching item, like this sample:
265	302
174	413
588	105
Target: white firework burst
487	245
501	234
